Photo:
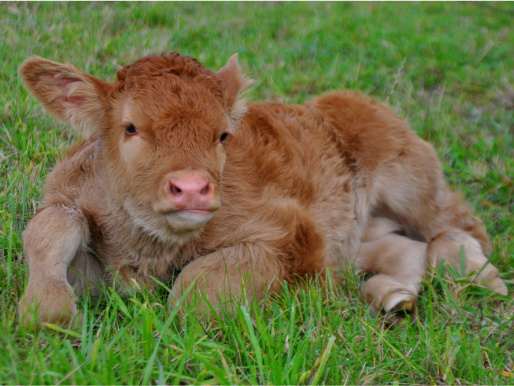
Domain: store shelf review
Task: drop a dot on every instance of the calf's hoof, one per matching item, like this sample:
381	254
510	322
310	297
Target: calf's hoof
399	301
34	312
497	285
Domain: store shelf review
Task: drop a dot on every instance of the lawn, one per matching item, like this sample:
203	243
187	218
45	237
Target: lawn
446	67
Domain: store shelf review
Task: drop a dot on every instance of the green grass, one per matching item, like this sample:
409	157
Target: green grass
447	67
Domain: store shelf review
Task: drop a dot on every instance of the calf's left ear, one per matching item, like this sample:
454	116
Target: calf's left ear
233	85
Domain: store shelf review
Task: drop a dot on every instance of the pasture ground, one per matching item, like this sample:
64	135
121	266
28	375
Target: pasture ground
447	67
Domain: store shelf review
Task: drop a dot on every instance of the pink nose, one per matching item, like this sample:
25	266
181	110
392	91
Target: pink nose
190	191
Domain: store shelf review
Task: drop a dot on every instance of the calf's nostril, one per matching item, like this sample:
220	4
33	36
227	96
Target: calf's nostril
174	190
205	190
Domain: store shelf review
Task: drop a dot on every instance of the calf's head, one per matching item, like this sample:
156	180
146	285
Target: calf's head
161	128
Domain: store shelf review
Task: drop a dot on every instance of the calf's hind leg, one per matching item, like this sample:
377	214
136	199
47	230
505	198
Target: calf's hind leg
397	263
412	190
52	239
447	247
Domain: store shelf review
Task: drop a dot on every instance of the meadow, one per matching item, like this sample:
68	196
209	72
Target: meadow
446	67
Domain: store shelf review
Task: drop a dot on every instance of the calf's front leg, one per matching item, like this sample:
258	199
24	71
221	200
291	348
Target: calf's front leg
279	243
239	272
52	240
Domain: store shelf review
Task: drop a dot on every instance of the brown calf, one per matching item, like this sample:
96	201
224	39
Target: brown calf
176	172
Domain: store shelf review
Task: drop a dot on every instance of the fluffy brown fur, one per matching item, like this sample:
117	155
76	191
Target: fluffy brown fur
290	191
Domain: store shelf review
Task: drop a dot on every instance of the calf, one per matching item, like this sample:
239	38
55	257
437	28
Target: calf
176	172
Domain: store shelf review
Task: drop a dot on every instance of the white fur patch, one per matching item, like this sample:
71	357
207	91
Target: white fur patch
71	211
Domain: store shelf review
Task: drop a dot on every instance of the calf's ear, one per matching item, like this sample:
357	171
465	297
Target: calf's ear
73	96
233	85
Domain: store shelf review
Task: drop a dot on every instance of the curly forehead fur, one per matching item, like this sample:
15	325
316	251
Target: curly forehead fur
181	67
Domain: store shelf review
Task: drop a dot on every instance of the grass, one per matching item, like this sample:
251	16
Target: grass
447	67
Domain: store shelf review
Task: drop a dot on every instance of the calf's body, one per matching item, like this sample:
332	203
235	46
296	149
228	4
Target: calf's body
177	174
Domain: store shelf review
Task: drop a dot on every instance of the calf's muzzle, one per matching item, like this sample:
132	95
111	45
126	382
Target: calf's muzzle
191	191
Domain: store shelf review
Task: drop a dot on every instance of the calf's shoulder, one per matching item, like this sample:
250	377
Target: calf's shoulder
77	180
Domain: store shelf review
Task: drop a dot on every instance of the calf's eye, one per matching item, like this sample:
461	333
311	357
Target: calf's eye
223	137
131	130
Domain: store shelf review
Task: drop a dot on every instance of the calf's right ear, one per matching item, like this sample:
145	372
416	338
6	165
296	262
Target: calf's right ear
73	96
